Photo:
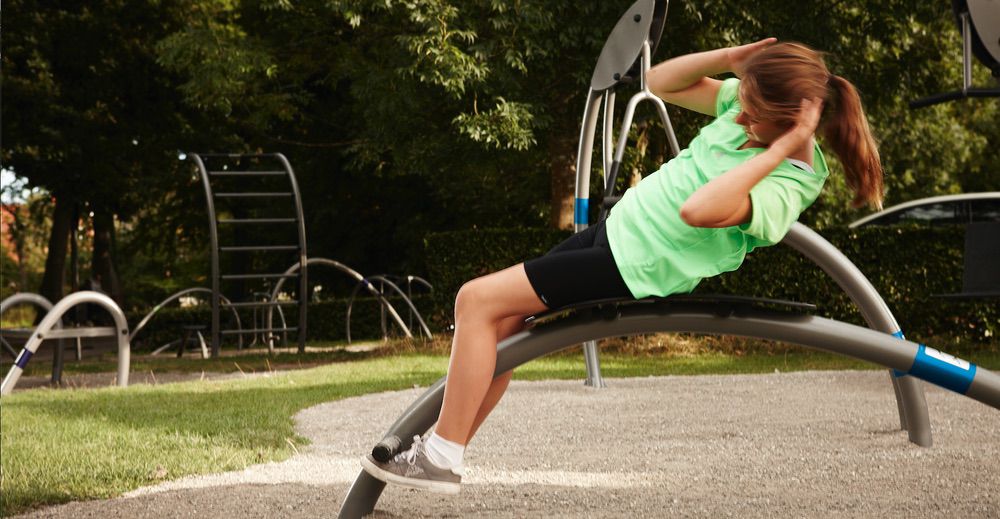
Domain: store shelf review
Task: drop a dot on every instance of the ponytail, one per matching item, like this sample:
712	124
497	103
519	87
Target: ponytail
845	129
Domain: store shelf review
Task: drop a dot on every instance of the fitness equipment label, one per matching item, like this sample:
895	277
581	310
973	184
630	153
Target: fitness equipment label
943	369
944	357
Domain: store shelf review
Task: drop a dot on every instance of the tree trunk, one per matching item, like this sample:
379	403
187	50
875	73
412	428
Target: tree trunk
55	259
102	267
562	174
18	235
74	250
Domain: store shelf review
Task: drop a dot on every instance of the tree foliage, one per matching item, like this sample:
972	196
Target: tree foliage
403	117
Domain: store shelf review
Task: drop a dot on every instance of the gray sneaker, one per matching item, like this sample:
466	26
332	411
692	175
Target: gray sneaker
412	469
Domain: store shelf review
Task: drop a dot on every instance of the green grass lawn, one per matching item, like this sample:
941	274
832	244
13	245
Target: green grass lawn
60	445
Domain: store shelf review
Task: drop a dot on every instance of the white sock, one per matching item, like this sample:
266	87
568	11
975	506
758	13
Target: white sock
443	453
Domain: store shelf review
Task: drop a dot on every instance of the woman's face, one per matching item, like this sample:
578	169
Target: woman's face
757	128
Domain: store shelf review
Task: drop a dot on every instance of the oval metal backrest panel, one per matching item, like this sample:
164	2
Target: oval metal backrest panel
623	45
985	18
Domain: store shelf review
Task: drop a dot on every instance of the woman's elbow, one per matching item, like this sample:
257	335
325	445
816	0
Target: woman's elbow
705	215
692	216
697	217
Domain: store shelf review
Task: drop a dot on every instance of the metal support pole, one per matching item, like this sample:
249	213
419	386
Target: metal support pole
581	210
966	53
910	401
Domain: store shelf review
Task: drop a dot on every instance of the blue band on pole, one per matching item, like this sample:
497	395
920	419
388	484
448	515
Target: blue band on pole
581	211
23	358
896	373
942	369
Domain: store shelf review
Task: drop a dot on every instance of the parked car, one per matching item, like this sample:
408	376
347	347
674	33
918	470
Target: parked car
949	209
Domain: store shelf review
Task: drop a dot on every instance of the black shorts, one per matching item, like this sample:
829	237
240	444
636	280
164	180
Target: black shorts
579	269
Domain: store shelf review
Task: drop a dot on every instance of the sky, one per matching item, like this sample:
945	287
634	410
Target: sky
9	192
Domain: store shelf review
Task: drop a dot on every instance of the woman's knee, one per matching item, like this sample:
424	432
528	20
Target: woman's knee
470	298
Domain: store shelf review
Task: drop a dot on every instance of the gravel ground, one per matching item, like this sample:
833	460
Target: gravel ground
791	445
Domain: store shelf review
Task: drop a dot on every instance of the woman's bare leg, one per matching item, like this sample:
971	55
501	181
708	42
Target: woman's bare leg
480	308
508	327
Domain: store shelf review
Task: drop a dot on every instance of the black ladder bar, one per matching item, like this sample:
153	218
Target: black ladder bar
258	276
258	220
238	248
246	173
258	330
254	194
250	304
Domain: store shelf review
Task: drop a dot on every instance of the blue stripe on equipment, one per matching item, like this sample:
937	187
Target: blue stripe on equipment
581	211
896	373
23	358
942	369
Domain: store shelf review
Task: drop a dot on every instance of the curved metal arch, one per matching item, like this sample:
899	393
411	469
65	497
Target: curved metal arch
406	299
179	295
420	280
25	297
365	283
668	316
49	322
910	401
42	302
395	278
19	299
409	293
345	269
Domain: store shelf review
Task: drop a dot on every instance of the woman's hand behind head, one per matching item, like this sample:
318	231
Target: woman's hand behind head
801	133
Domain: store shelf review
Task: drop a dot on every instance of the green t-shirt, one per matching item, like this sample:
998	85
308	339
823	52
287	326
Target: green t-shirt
658	254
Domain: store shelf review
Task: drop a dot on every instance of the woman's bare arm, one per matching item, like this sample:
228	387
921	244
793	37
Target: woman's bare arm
725	200
684	81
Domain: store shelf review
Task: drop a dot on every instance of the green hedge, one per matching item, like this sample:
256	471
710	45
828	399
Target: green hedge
906	265
452	258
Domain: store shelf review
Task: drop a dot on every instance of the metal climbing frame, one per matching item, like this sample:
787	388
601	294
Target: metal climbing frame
48	329
175	296
252	168
369	284
362	282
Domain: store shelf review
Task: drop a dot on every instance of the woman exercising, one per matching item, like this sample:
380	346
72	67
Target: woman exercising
740	184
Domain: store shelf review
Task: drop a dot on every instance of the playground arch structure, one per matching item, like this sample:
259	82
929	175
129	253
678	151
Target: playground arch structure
237	183
624	59
361	282
50	328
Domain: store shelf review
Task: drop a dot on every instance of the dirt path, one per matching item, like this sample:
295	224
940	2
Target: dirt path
798	444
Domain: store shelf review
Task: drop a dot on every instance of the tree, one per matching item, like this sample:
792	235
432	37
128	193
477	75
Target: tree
90	116
403	118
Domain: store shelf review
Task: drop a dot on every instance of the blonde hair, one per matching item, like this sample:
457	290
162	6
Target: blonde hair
776	80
